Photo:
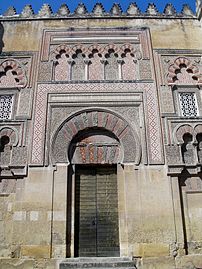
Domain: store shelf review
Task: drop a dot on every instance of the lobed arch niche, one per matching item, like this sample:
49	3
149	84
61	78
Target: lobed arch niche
95	136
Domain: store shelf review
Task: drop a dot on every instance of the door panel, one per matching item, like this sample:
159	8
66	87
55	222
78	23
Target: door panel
85	214
96	212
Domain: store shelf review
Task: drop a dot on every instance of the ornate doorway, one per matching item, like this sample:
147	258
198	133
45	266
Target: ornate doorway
96	211
95	144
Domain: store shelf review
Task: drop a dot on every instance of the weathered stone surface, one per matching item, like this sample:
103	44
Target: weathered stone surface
35	251
101	89
157	263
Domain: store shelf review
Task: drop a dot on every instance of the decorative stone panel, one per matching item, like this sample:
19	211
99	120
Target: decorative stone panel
183	71
45	71
173	154
12	74
145	69
154	147
167	104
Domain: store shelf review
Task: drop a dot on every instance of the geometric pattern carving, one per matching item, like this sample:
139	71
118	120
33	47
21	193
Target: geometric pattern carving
173	154
12	74
151	109
188	104
152	116
145	69
6	102
95	136
182	71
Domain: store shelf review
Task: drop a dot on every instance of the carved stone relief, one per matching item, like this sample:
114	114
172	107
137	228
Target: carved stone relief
96	62
183	71
153	127
13	152
145	69
167	104
99	123
176	69
186	149
45	71
12	74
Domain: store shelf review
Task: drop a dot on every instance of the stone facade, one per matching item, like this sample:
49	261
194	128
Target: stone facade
95	90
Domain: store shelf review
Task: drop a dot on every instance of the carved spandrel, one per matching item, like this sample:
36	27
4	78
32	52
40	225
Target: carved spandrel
145	69
45	71
173	154
167	105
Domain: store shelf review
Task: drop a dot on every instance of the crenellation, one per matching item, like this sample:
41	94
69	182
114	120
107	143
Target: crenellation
99	10
27	12
63	10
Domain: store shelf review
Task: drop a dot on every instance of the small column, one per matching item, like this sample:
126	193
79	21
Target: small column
87	62
137	73
120	63
54	63
104	62
70	63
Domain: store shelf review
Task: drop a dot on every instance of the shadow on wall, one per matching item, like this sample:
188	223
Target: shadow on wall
1	37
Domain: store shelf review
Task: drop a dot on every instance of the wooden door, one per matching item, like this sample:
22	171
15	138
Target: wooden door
96	212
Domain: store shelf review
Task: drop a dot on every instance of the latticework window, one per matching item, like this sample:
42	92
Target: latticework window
188	104
6	102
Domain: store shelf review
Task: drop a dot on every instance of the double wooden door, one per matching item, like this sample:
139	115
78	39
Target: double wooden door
96	211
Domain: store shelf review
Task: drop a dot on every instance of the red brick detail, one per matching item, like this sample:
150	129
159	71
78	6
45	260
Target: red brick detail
112	46
127	46
184	129
109	120
73	127
66	133
123	133
79	47
177	66
100	118
59	49
83	154
95	47
100	155
90	119
17	68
